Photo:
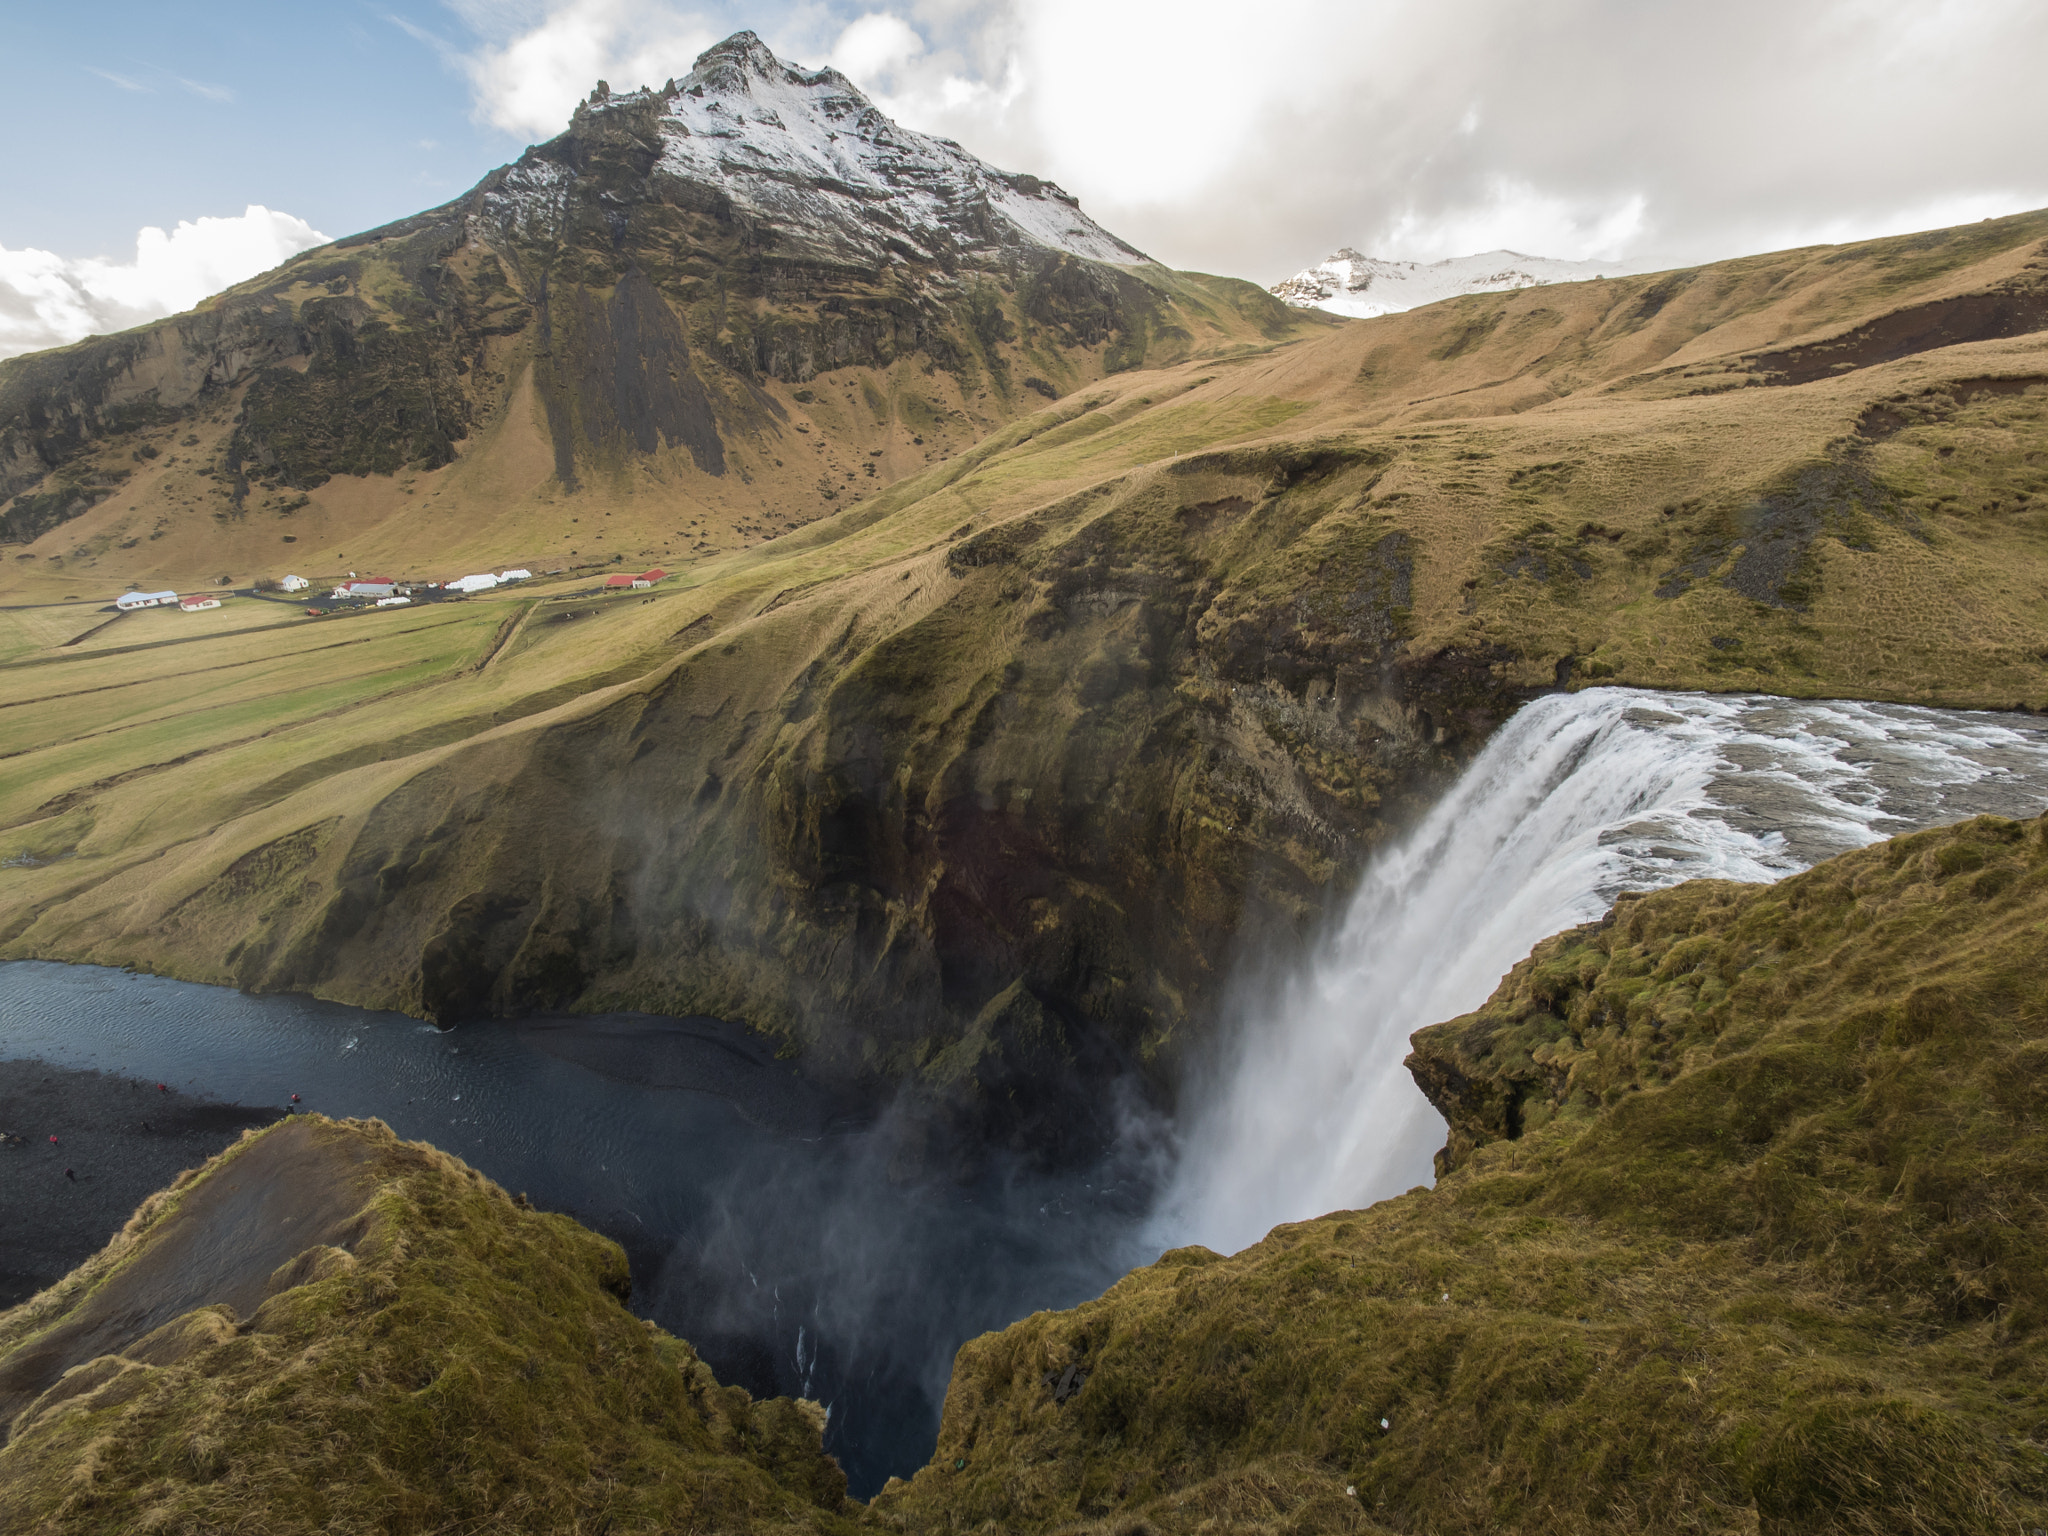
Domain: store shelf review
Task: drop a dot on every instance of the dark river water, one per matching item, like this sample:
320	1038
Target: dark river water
763	1226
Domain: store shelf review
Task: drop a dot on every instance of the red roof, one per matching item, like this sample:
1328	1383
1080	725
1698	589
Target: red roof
618	581
657	574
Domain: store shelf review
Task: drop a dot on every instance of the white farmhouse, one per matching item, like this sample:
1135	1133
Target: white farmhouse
128	602
295	584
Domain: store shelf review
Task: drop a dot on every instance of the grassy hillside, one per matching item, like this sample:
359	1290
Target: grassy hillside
630	374
1741	1227
327	1329
963	781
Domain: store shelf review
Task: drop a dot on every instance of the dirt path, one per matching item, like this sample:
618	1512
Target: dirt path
122	1140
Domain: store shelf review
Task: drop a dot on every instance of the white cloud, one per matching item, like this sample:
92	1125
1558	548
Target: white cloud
1515	216
125	82
1257	143
933	90
211	92
527	80
47	300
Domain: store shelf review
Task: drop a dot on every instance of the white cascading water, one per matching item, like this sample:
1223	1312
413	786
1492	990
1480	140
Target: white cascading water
1577	798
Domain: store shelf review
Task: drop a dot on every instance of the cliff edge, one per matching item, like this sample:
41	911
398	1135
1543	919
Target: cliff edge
1741	1228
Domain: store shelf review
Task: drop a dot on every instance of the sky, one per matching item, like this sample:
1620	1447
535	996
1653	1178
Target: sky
162	151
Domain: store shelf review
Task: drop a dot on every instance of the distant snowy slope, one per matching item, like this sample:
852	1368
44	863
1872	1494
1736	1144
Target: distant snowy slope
1363	286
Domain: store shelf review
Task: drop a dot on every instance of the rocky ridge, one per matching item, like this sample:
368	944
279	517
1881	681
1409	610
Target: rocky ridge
815	170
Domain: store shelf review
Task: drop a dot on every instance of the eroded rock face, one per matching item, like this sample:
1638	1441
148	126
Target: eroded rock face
1010	849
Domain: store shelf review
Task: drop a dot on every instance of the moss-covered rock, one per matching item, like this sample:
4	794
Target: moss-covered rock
328	1329
1743	1227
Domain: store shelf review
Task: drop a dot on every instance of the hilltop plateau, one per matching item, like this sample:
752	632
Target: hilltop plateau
1739	1228
959	782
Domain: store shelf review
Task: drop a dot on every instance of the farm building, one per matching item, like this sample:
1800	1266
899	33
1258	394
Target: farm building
128	602
649	578
294	584
619	583
382	587
197	601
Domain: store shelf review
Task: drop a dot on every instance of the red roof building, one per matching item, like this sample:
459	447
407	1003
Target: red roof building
649	578
618	581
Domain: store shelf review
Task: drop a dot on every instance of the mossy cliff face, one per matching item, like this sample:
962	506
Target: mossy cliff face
1743	1227
326	1329
993	844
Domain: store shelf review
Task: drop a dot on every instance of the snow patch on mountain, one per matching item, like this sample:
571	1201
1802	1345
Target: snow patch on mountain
1360	286
804	154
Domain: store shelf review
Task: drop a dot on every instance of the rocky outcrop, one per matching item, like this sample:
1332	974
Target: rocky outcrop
326	1328
1739	1230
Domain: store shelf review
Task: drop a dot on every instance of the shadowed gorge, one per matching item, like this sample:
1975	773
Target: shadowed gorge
1738	1227
958	785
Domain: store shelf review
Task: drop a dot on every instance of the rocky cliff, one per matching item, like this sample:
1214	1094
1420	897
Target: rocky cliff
1740	1228
327	1329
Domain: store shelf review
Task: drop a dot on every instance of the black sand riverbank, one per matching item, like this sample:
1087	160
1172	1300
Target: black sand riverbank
122	1140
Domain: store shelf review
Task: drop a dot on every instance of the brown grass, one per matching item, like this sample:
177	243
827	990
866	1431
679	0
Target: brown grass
460	1363
1766	1254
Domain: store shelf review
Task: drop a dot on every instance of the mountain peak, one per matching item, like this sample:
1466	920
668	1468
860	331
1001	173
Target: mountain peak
729	64
813	168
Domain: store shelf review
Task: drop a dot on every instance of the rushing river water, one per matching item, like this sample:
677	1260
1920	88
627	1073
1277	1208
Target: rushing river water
1576	799
765	1226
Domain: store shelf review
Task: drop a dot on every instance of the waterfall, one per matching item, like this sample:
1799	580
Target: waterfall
1577	798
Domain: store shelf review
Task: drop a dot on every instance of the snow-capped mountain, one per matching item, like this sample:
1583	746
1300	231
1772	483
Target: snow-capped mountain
802	154
1349	283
